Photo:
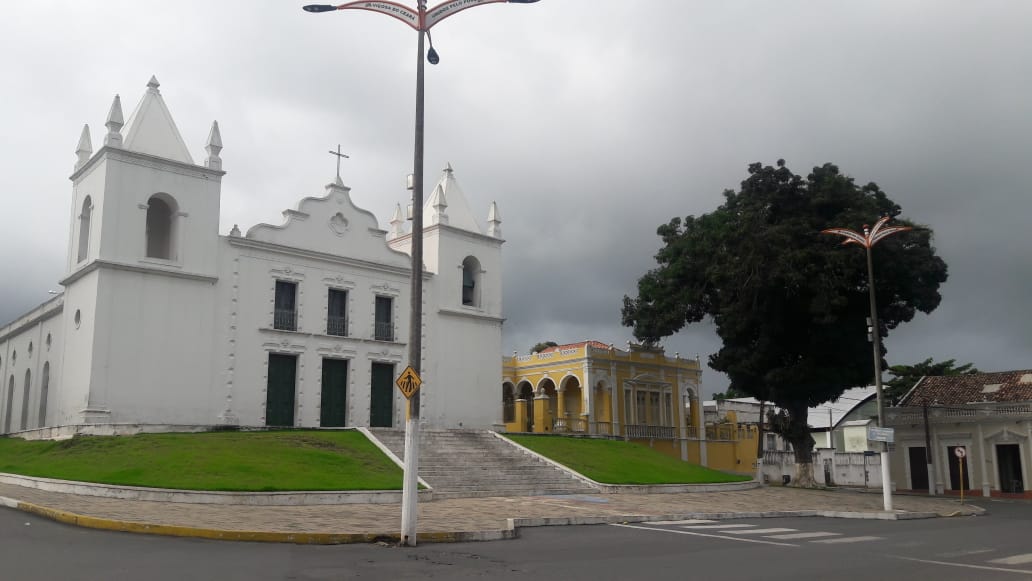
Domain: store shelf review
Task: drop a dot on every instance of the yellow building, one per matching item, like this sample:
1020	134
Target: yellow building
639	394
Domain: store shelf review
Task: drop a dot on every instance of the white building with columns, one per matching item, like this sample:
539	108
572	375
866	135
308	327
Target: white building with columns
164	322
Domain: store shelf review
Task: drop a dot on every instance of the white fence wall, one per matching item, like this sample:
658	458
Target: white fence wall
830	468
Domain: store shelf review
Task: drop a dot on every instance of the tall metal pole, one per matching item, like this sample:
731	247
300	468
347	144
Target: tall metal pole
876	341
410	484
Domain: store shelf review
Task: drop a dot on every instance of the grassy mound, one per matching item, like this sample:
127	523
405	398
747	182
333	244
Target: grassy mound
619	462
229	461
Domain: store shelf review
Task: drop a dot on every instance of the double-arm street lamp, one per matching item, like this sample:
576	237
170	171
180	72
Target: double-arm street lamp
421	20
867	240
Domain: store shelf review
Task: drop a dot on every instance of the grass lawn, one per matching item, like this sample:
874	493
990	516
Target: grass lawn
619	462
237	461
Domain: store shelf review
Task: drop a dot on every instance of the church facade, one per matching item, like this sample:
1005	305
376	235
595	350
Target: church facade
165	323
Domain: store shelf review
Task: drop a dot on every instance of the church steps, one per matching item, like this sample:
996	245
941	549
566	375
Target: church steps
470	463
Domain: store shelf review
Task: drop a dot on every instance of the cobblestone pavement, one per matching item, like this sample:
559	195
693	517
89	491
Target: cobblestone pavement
470	514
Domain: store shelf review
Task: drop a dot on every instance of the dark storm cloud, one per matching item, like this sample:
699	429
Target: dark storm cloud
590	122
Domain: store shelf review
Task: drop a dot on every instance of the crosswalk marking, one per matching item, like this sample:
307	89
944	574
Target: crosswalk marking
691	521
792	536
761	531
712	527
847	540
1014	560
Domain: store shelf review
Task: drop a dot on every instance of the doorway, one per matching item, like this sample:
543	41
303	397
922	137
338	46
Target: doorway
381	396
918	468
334	393
1008	458
279	399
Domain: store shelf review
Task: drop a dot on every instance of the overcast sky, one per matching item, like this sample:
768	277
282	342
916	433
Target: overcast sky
590	122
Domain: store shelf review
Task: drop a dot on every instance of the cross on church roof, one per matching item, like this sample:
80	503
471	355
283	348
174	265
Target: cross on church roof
339	156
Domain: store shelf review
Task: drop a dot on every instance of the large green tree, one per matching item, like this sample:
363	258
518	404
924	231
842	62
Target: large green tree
905	377
789	303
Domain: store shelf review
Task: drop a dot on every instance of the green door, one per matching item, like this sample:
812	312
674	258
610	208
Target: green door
279	398
334	392
381	404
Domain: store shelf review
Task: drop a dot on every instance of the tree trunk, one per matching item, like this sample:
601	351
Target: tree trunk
802	444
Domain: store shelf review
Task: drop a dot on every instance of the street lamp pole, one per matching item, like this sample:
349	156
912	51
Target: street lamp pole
421	20
868	239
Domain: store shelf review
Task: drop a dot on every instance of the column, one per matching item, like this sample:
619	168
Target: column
698	418
520	409
542	419
983	460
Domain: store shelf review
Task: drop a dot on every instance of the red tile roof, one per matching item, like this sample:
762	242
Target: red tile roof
1005	386
580	345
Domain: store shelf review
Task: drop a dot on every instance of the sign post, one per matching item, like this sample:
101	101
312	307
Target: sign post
408	384
961	452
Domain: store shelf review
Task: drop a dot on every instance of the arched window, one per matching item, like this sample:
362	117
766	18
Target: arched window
508	403
84	229
25	400
10	402
44	388
161	214
471	282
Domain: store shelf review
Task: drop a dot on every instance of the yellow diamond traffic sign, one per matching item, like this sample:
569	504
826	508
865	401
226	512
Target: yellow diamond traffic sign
408	383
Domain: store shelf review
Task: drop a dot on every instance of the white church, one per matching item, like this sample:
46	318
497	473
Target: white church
164	323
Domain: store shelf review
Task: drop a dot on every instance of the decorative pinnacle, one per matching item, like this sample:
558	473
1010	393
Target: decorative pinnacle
85	148
448	168
153	84
214	147
114	124
494	221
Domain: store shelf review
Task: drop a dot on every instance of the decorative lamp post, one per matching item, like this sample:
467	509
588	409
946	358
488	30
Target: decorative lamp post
868	239
421	20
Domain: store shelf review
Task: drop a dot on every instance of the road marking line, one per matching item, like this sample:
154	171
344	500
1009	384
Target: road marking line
717	526
762	531
739	539
803	536
1014	560
847	540
693	521
982	567
965	553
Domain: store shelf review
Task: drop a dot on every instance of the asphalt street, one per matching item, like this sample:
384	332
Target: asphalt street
996	546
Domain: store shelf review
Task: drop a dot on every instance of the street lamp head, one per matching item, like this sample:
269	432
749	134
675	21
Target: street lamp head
432	57
319	8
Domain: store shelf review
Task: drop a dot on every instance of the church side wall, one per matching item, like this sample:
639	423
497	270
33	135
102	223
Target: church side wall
462	373
77	342
153	354
30	344
243	367
462	368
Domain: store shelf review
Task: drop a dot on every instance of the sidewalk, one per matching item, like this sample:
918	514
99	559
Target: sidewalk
456	519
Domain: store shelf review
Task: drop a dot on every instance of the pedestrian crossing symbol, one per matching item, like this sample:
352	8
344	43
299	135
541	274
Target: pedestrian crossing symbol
408	383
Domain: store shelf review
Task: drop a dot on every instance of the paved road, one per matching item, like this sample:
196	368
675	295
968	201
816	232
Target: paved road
998	546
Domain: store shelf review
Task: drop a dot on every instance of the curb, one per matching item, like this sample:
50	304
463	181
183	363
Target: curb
123	492
511	531
296	538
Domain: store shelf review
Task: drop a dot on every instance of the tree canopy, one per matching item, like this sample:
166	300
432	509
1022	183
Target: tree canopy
789	304
905	377
539	347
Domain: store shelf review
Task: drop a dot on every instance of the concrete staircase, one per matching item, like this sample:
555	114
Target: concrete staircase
473	463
